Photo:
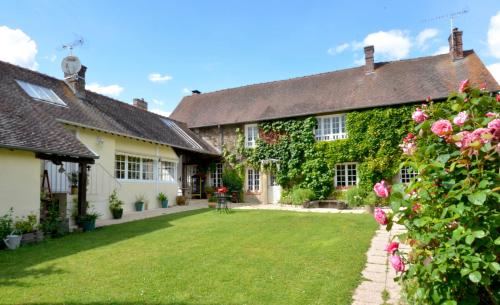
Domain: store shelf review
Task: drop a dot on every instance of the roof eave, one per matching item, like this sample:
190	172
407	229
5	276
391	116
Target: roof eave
47	151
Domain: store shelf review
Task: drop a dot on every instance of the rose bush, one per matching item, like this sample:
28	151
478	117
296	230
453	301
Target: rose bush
451	210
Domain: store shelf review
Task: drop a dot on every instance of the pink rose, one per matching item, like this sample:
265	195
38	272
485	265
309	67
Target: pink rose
392	247
460	118
442	128
463	86
494	127
416	207
482	134
397	263
464	139
408	148
382	189
498	98
490	114
419	115
380	216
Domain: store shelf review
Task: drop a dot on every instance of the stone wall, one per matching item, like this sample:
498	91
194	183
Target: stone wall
218	136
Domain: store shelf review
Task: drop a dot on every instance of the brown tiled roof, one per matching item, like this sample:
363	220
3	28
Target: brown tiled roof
38	126
397	82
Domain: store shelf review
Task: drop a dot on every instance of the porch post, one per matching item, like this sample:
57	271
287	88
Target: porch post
82	189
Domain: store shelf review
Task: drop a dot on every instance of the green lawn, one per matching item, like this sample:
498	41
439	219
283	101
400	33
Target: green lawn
198	257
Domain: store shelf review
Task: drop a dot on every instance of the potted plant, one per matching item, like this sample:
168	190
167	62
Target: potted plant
180	200
370	201
163	199
212	202
73	179
87	221
115	205
209	191
233	182
6	226
140	201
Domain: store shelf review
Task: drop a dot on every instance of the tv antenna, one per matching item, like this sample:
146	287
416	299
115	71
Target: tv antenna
450	16
71	45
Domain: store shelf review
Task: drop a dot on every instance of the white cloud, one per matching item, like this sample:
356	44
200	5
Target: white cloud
494	35
17	48
442	50
161	112
424	36
339	49
495	71
158	78
111	90
186	90
394	44
158	102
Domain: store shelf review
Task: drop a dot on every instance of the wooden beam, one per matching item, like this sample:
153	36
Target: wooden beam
63	158
82	189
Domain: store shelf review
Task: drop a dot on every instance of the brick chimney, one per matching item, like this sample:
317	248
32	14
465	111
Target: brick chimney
140	103
456	46
369	61
77	82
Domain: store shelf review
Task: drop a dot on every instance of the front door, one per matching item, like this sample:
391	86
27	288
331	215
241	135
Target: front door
273	190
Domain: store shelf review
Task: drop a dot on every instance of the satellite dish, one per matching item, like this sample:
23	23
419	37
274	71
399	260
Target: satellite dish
71	65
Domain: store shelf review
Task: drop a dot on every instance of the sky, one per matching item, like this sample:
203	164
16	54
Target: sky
161	50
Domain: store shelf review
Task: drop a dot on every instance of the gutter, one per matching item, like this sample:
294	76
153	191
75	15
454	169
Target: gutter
47	151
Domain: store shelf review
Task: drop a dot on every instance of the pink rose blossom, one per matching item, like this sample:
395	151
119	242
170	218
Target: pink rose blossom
382	189
408	148
482	135
490	114
464	139
419	115
498	98
397	263
380	216
442	128
494	127
416	207
460	118
392	247
463	86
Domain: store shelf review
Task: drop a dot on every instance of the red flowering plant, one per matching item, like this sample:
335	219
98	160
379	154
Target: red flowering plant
451	209
222	190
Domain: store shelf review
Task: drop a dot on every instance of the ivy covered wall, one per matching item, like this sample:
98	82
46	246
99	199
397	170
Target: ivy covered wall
373	139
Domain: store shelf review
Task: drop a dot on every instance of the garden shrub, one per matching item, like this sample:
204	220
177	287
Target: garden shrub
299	195
232	180
355	196
451	212
6	224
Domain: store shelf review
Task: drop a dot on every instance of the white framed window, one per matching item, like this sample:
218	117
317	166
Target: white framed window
253	180
168	171
120	166
346	174
147	169
406	174
331	127
216	176
144	169
133	168
251	135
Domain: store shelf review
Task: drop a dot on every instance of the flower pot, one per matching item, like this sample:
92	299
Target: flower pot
212	205
370	209
12	241
164	204
117	213
88	225
139	206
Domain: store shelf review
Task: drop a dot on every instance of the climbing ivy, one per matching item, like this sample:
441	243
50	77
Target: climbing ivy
373	139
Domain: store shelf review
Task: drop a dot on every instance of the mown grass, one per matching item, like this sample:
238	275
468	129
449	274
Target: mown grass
198	257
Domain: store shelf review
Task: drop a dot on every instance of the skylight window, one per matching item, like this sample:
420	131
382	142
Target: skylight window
182	133
41	93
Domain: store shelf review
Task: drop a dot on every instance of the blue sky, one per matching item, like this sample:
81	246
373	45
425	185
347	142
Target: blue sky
212	45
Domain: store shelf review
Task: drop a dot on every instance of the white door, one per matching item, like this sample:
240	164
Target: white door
273	190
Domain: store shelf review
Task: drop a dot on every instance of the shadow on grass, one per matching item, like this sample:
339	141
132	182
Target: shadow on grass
20	263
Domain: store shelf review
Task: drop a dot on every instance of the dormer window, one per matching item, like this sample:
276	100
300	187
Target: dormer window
331	127
41	93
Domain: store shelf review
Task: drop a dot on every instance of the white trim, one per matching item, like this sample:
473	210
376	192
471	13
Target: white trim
156	169
325	132
255	135
254	174
346	174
